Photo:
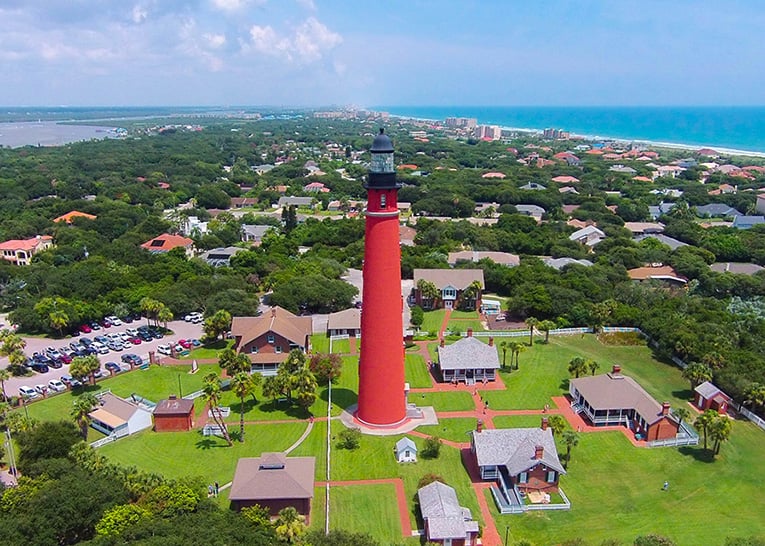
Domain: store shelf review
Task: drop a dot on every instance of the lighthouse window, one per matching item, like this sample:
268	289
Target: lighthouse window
383	201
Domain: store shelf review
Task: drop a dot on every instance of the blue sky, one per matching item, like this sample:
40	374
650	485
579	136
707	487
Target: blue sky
368	52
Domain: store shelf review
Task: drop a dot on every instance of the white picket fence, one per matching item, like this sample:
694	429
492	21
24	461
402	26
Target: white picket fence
756	419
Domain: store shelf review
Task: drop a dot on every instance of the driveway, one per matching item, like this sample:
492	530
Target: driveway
180	329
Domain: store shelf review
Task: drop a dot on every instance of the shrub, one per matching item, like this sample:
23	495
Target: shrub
432	447
429	478
350	438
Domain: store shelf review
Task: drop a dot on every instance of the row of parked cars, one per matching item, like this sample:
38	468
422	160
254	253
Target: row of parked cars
107	322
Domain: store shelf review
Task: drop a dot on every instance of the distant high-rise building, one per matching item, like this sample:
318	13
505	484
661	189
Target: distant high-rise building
491	132
461	123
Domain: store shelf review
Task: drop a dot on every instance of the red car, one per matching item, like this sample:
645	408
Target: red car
85	329
185	343
135	340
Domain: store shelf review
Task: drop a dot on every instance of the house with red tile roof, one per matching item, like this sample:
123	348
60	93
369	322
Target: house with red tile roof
70	216
166	242
494	175
565	179
407	166
662	273
20	251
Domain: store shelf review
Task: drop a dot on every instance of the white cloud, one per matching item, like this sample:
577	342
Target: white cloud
308	43
234	5
215	41
139	14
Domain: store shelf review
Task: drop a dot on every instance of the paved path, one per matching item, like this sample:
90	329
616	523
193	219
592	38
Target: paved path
303	436
489	535
403	503
444	323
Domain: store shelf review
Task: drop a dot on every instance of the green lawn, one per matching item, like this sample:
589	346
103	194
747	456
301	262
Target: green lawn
341	346
155	383
456	429
444	401
616	492
208	351
367	509
416	369
517	421
432	320
464	314
463	325
320	343
178	454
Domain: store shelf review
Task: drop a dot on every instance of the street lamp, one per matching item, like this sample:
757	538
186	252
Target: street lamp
507	531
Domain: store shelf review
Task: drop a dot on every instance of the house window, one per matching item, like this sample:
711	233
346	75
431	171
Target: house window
278	348
270	338
551	476
383	201
254	350
523	477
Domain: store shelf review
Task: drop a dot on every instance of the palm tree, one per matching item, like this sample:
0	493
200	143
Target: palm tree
503	346
81	409
518	350
164	315
290	525
532	323
557	424
243	386
577	366
719	431
429	293
5	374
755	395
697	373
571	439
546	326
592	366
682	414
704	422
212	394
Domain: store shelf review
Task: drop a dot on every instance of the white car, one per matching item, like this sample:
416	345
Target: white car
195	317
164	349
114	336
56	385
114	320
27	392
133	332
41	389
124	336
100	348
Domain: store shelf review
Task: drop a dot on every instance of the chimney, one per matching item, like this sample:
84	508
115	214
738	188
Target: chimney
273	312
479	426
545	422
469	332
443	343
665	408
616	370
491	342
539	452
172	397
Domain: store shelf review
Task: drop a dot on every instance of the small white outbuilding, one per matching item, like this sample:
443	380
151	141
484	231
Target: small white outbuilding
406	451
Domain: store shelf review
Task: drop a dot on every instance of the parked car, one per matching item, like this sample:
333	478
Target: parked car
99	373
85	328
185	343
113	367
39	367
164	349
54	363
75	345
114	320
115	346
132	359
132	331
195	317
41	389
105	322
65	357
101	339
86	342
95	326
156	333
27	392
127	319
56	385
178	348
100	348
196	343
145	336
70	381
135	340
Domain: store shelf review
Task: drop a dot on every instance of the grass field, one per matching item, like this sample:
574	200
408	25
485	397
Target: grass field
320	343
462	325
416	370
155	383
454	429
178	454
444	401
209	350
432	320
616	492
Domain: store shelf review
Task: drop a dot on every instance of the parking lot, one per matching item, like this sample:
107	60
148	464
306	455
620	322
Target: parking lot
180	329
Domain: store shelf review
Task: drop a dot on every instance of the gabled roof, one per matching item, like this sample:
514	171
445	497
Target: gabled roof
503	258
113	411
468	352
708	391
278	321
458	278
560	263
586	232
717	209
273	476
664	239
444	516
405	443
565	179
515	449
617	391
25	244
166	242
348	319
69	216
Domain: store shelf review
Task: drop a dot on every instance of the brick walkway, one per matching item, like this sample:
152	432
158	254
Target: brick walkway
445	323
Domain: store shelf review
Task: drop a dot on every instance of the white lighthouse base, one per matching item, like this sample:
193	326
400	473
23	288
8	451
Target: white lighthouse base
415	416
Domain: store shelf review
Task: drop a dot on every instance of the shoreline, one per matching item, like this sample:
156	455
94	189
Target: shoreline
590	137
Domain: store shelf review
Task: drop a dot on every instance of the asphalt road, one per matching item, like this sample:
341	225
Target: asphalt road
180	329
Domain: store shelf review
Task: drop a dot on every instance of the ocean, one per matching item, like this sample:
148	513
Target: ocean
733	128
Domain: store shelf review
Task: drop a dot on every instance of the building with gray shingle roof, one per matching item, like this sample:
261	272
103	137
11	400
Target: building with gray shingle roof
406	451
468	360
451	283
444	518
560	263
739	268
747	222
716	210
671	242
346	322
614	399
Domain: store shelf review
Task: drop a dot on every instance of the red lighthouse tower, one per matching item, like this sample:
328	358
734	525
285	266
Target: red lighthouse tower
382	400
